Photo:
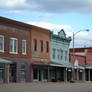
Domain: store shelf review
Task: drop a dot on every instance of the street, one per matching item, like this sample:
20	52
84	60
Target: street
46	87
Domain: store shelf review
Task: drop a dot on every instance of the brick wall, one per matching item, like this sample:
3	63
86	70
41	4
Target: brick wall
81	59
89	57
8	31
44	35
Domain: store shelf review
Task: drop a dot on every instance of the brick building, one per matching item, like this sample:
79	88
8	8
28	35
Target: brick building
22	47
40	53
84	58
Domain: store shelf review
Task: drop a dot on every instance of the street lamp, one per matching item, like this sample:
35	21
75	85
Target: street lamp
74	39
73	49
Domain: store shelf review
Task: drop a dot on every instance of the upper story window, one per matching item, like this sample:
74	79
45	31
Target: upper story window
53	53
47	47
35	44
1	43
23	46
65	55
13	45
41	46
58	54
61	54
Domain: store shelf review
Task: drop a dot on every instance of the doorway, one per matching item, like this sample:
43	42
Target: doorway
12	73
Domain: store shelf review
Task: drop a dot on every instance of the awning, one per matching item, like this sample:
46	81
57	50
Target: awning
79	67
61	65
88	67
40	64
56	65
5	61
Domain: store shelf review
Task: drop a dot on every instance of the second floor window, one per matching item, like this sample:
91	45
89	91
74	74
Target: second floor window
61	54
58	54
65	55
53	53
13	45
1	43
23	46
47	47
41	46
35	44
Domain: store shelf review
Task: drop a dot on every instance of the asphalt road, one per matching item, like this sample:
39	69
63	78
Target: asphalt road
46	87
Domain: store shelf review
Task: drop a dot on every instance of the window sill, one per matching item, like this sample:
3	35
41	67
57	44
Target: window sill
24	53
2	51
13	52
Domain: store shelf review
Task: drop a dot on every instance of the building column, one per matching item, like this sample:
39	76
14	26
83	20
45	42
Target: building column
89	75
77	74
7	73
72	74
65	74
83	75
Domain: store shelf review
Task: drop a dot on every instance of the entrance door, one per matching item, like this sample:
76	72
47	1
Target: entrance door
45	75
39	74
12	73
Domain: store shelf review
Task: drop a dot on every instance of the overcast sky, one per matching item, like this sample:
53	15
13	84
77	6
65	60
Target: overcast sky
71	15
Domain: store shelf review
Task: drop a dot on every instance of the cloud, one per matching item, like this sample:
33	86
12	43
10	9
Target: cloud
53	27
81	39
50	6
16	4
13	12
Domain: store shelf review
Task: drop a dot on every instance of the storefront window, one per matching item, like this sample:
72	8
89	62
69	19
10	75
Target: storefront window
1	72
45	74
23	72
35	74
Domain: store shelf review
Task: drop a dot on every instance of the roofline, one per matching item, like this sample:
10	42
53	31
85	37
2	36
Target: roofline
18	23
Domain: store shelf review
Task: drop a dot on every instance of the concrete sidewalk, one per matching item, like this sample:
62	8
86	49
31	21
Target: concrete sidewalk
46	87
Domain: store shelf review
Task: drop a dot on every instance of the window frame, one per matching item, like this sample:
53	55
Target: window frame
61	54
2	44
35	44
23	70
24	53
47	46
41	46
58	54
53	53
13	52
66	55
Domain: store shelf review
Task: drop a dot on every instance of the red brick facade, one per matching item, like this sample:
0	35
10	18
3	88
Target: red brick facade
8	30
21	31
83	59
40	34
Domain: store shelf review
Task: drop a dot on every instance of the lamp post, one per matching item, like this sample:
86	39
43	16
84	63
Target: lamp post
74	49
74	39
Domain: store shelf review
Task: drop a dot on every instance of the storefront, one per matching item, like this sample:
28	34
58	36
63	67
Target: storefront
40	73
4	70
88	71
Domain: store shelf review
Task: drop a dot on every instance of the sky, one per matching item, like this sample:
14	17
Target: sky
70	15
